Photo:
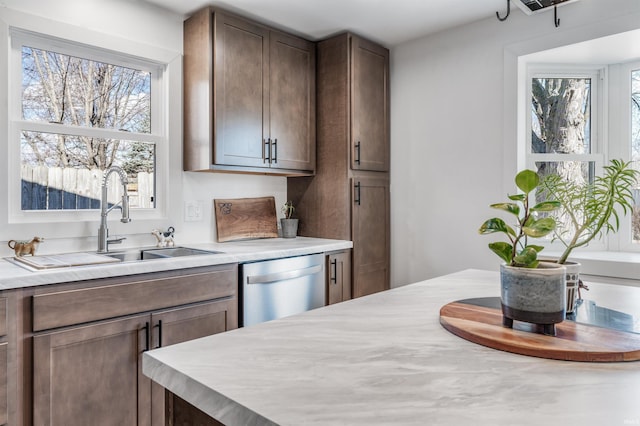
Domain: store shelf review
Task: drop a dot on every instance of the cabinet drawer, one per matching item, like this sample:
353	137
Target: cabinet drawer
3	316
151	292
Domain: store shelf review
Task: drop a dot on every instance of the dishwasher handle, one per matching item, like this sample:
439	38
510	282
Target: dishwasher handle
281	276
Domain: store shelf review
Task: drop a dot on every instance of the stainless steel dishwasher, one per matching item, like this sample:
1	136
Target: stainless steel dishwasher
282	287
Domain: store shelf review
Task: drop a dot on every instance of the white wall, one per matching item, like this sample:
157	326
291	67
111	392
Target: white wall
453	131
121	21
448	162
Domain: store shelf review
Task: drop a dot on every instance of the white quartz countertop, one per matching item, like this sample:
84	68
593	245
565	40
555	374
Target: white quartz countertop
14	275
385	359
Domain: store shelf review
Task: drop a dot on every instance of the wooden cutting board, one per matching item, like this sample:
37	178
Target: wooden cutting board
573	341
243	218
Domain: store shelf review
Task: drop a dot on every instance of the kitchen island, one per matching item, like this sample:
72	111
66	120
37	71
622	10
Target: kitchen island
385	359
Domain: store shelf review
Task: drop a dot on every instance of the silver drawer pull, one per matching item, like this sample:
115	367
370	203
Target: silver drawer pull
281	276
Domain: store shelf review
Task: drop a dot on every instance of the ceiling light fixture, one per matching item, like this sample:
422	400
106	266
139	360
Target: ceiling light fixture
531	7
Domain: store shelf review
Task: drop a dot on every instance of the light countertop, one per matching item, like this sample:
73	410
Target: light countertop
14	275
385	359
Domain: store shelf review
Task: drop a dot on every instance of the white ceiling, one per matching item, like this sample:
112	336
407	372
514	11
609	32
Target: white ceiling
387	22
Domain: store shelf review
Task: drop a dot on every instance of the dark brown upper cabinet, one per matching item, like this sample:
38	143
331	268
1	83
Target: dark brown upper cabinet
369	106
249	97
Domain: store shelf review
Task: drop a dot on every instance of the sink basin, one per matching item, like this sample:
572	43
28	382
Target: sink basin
156	253
65	260
173	252
126	256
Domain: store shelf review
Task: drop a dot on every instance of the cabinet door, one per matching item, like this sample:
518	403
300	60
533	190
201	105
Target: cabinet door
4	418
338	277
92	375
241	94
292	98
370	106
370	228
188	323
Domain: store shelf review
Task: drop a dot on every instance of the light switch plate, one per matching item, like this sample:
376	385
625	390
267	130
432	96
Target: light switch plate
193	211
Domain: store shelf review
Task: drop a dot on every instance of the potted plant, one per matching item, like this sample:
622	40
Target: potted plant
289	225
587	211
530	290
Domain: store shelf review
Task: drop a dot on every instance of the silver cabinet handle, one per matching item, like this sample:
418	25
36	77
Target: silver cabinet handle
281	276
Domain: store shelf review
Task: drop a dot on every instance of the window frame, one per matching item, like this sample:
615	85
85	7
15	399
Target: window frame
158	135
624	237
598	131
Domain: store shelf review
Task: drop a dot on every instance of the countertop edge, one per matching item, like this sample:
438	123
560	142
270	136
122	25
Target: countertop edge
203	397
13	276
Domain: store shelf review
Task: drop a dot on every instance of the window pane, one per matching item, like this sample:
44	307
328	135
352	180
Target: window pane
561	115
635	147
65	171
580	173
63	89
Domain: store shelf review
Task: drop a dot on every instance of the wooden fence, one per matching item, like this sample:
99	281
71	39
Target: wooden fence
45	188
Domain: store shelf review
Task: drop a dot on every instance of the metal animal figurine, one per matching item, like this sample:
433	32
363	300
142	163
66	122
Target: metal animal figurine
25	247
165	239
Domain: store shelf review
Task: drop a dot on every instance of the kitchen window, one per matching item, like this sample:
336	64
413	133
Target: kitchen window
630	122
75	111
563	133
580	117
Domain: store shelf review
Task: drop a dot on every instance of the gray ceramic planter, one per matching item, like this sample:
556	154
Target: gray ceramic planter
534	295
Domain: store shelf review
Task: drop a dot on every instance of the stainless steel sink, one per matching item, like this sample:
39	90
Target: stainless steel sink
65	260
157	253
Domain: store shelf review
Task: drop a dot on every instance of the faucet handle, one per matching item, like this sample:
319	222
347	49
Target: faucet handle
115	240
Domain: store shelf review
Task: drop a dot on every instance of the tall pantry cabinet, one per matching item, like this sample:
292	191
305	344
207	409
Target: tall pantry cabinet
348	198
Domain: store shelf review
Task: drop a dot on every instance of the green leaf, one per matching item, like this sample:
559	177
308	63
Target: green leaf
527	180
527	257
529	220
536	248
540	228
496	225
507	207
517	197
546	206
502	249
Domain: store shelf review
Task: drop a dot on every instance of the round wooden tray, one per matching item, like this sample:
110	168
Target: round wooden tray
474	320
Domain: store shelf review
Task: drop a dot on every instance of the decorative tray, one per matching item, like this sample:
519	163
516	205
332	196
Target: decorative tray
592	334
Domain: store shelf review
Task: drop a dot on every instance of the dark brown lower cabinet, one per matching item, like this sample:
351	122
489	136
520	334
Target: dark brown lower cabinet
4	360
181	325
92	375
4	417
338	277
90	372
370	232
181	413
